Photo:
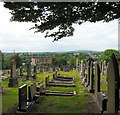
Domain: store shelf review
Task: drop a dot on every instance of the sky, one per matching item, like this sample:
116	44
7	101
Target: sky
16	36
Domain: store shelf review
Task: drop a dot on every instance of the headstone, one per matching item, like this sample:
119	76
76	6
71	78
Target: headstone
83	71
102	69
88	73
35	71
32	91
47	80
97	80
22	98
28	70
113	86
102	99
81	67
21	71
91	86
76	64
13	81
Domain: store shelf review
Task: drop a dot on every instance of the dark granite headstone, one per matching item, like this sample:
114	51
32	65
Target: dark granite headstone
22	98
32	91
47	80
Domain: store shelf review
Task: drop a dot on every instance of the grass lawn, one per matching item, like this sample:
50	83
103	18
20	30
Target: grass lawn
62	104
50	104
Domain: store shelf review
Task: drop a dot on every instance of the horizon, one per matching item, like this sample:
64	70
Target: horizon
55	52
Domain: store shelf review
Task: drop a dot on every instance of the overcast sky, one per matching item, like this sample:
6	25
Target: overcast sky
89	36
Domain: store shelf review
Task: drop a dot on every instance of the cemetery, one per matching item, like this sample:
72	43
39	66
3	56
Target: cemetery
91	87
40	77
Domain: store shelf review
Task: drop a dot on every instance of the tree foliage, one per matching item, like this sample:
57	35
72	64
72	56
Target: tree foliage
47	16
17	59
105	56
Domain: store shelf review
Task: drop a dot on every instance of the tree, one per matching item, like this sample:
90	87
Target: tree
17	59
105	56
50	15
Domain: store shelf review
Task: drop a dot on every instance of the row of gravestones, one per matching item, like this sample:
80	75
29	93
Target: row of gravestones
13	80
109	101
29	95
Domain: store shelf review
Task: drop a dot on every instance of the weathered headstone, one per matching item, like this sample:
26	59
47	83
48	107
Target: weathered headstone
83	71
28	70
77	64
88	73
32	91
13	81
35	71
91	86
21	71
81	67
97	80
113	86
22	98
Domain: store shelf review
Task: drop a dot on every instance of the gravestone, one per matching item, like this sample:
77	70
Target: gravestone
22	106
40	87
32	91
47	80
21	71
100	67
83	71
91	86
77	64
88	73
97	80
113	86
81	67
13	80
35	72
28	70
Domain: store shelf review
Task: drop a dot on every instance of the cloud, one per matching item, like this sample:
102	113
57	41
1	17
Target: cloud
88	36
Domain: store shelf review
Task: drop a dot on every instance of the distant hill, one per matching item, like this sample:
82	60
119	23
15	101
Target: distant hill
76	52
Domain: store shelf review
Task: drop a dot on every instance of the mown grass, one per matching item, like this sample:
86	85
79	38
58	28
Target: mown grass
50	104
62	104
